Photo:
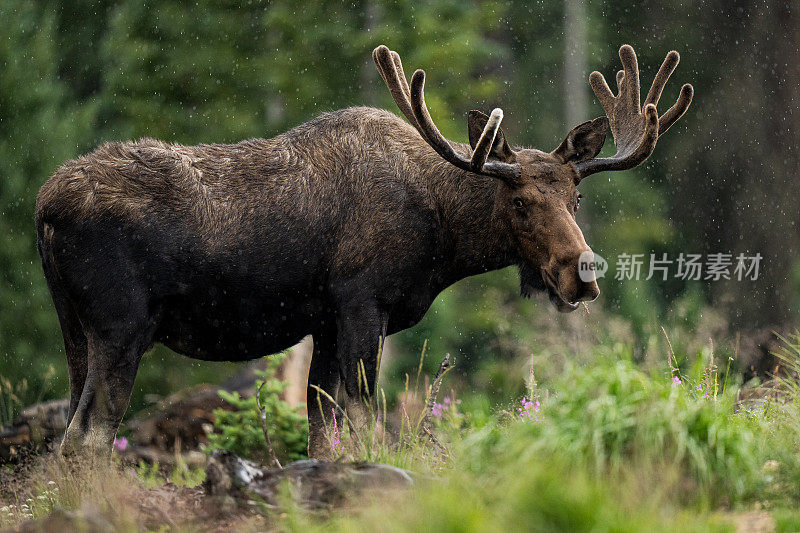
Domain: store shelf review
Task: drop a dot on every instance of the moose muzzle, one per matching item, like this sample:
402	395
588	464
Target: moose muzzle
571	279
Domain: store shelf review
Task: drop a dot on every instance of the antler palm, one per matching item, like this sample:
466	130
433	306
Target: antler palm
636	130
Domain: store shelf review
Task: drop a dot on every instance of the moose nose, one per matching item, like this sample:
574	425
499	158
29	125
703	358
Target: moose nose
587	279
588	291
576	277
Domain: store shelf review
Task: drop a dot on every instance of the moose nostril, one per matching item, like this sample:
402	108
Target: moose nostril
588	292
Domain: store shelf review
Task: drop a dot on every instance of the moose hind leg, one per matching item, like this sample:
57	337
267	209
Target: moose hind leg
105	396
118	332
75	344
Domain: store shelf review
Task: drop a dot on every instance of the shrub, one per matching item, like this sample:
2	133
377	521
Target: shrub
612	415
239	430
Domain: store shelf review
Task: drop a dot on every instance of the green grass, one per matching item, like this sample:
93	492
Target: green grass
611	447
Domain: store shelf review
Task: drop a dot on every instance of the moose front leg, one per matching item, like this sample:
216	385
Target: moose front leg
361	326
324	373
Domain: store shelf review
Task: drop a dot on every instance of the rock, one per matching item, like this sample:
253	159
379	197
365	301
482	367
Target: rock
61	520
178	422
37	427
312	484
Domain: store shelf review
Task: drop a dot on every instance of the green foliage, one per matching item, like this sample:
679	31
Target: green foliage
215	71
151	475
780	439
532	493
40	126
240	431
613	448
15	396
612	414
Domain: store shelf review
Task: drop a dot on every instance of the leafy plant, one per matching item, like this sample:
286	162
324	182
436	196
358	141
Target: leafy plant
612	415
240	431
151	475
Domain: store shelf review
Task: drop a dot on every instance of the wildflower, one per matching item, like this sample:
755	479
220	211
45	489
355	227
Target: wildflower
676	380
405	414
438	410
530	408
336	440
121	444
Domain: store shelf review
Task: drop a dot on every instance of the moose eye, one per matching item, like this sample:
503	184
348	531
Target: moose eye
518	203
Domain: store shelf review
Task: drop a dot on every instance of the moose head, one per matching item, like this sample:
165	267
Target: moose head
538	196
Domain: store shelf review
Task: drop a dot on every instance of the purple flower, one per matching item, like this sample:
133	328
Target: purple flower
438	410
529	408
676	380
121	444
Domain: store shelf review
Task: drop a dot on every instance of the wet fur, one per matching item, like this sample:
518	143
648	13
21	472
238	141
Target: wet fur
346	228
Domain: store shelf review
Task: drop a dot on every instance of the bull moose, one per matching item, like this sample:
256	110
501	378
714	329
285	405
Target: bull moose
345	227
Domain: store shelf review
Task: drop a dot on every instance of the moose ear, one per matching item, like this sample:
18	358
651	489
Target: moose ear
476	122
583	142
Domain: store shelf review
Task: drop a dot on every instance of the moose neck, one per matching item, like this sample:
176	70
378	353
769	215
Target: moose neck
475	239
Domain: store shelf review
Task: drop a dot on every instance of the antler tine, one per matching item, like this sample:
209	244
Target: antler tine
629	89
478	161
411	101
484	145
429	129
388	67
620	76
401	75
635	130
660	81
677	110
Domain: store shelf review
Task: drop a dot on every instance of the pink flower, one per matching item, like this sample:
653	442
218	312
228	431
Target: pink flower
438	410
529	408
676	380
121	444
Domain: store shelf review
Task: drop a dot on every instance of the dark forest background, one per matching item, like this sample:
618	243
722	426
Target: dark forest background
76	73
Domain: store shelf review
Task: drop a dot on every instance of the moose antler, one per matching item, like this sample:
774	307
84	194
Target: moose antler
635	132
411	101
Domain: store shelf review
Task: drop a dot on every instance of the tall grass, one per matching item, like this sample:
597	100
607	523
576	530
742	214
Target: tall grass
605	446
15	396
614	448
